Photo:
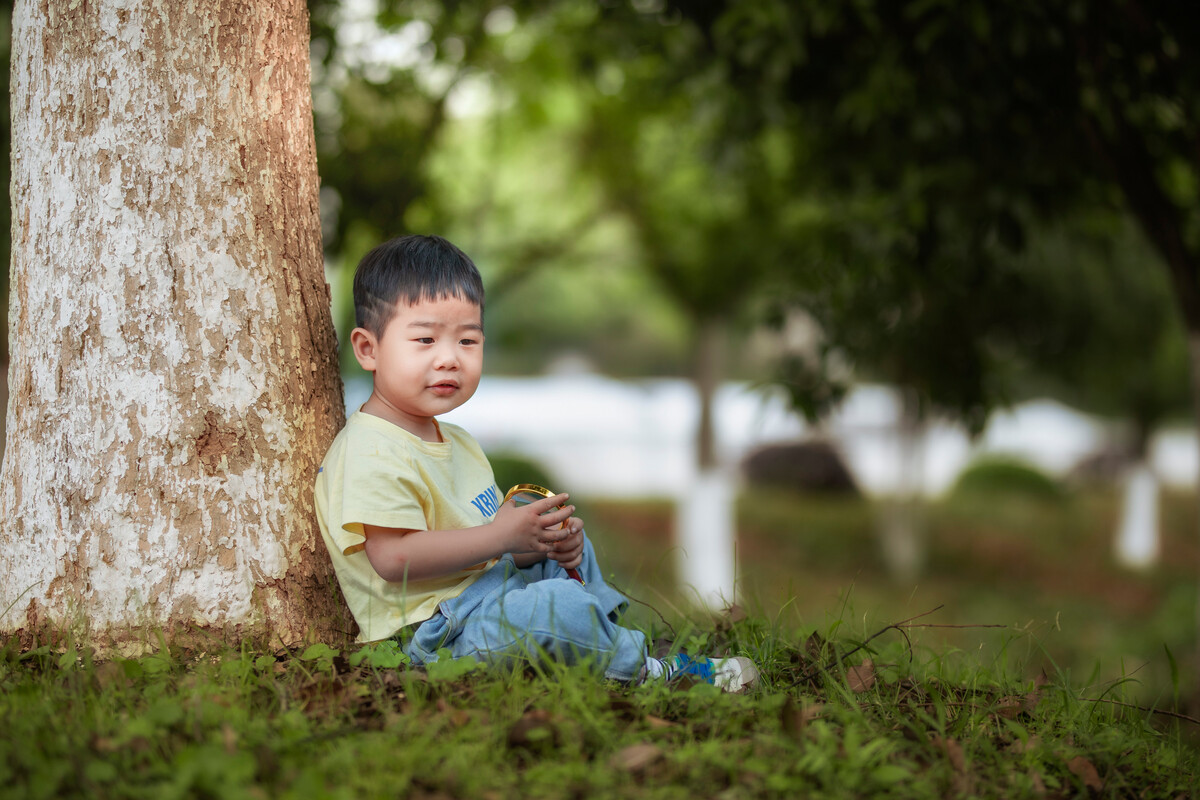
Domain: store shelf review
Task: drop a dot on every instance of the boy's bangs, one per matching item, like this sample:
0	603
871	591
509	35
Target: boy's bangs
428	294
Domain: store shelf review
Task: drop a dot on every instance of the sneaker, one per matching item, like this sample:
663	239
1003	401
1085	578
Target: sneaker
728	674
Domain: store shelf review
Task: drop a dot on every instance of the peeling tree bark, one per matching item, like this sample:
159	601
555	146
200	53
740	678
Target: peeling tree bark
173	376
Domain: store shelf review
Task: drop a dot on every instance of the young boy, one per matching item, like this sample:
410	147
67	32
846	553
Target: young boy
411	514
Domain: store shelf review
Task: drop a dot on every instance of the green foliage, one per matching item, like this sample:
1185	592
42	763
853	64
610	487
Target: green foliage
922	180
1002	477
511	469
948	137
1111	341
448	669
381	655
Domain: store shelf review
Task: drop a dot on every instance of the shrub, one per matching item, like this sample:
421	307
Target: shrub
511	469
810	466
1006	475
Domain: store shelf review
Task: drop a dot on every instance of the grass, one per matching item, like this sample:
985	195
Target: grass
850	705
1039	568
890	719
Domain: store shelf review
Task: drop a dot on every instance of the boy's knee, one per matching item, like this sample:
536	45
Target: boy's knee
551	603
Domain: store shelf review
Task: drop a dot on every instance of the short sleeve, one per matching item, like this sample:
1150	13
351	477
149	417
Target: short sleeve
379	488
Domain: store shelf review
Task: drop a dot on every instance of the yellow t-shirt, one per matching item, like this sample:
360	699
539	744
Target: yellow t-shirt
377	473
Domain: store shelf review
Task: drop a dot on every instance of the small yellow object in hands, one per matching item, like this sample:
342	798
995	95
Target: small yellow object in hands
526	493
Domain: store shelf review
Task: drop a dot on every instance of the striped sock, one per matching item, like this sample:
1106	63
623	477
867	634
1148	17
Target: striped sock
729	674
655	668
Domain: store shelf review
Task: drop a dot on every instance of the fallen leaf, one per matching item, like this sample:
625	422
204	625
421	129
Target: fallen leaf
735	614
1085	770
1029	702
636	758
457	716
1039	785
1009	706
795	719
862	677
953	751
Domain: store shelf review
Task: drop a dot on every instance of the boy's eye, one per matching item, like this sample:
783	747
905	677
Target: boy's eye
468	341
425	340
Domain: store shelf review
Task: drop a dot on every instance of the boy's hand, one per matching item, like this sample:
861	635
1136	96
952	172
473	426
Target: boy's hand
568	551
536	527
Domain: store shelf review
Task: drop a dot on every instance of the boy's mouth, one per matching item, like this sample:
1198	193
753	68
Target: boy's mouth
444	388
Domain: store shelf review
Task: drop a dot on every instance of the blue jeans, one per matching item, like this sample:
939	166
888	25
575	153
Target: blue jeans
512	612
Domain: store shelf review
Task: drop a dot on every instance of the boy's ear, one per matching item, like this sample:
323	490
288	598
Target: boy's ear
364	343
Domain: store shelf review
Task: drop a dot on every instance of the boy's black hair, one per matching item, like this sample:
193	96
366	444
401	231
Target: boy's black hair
411	268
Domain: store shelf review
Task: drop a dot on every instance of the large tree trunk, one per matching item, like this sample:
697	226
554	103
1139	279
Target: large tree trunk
704	518
173	374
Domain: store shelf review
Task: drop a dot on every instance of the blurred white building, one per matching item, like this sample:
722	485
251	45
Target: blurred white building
607	437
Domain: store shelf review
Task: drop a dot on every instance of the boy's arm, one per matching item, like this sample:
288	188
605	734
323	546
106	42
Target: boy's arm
397	554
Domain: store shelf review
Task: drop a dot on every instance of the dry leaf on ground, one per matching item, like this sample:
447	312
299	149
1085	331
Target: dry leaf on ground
795	718
862	677
1085	770
954	752
636	757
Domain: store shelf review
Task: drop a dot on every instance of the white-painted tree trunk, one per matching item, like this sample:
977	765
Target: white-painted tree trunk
173	380
705	518
1137	545
706	535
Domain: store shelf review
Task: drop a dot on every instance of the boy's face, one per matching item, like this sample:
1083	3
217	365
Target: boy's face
427	362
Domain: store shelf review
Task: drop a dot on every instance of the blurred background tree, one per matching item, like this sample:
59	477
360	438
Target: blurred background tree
963	200
973	125
881	167
1112	344
459	117
664	166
